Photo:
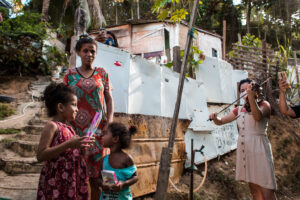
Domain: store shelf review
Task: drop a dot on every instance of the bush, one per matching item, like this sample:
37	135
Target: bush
9	131
21	46
6	110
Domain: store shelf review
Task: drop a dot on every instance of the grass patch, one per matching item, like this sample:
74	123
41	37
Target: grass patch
8	140
9	131
6	110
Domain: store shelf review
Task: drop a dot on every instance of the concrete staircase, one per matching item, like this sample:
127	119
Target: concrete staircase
19	169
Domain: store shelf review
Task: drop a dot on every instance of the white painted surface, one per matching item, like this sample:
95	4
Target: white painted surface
216	75
221	140
207	42
237	76
144	88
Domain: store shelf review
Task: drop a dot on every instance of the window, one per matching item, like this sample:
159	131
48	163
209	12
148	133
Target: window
214	53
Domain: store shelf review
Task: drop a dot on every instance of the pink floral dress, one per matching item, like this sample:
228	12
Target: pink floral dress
64	177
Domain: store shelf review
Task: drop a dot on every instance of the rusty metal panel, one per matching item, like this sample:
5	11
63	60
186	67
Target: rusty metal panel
152	136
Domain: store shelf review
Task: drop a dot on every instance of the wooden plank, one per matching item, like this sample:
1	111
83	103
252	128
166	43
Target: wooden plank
176	59
250	61
255	48
253	52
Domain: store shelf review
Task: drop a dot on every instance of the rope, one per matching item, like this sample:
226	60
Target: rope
191	32
200	185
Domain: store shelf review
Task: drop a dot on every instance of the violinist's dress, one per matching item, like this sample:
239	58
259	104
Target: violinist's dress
254	163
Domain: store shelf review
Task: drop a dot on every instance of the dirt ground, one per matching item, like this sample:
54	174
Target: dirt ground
15	87
220	183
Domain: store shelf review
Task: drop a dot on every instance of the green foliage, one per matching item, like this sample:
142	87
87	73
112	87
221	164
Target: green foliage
9	131
251	40
8	140
21	46
54	57
247	40
195	58
4	12
170	9
6	110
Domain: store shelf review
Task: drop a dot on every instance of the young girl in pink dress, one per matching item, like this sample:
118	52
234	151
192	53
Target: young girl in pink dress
64	173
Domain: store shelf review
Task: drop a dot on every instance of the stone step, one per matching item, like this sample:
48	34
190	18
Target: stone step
33	129
38	120
28	137
25	148
12	163
19	187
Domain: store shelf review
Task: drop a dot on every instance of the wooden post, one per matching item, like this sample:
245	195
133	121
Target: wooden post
176	59
224	40
164	168
240	39
192	171
297	73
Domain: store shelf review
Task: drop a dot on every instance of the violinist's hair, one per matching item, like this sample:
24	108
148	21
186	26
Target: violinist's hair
247	80
256	87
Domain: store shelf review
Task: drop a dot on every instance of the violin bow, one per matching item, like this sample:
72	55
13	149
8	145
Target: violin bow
239	99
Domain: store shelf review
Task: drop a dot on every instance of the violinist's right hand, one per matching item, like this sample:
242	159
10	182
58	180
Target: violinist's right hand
213	116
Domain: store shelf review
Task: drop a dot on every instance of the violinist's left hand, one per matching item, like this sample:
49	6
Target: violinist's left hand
250	91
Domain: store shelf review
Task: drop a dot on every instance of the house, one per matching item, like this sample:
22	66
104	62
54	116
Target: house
156	39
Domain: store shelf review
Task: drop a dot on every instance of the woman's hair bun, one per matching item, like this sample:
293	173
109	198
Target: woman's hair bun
132	130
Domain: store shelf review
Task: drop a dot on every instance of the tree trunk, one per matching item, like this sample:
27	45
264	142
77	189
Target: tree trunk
45	9
138	9
117	13
248	16
96	14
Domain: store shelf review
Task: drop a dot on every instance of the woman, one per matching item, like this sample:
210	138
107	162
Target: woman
254	163
92	88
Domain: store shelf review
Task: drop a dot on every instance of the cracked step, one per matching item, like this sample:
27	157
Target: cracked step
33	129
12	163
25	148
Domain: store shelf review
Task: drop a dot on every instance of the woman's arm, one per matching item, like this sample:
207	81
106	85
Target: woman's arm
109	105
46	152
224	120
257	112
284	108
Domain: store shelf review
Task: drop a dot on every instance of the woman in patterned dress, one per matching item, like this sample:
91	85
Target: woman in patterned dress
93	88
254	160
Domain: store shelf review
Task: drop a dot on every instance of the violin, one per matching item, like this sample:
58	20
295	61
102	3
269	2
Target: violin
259	97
